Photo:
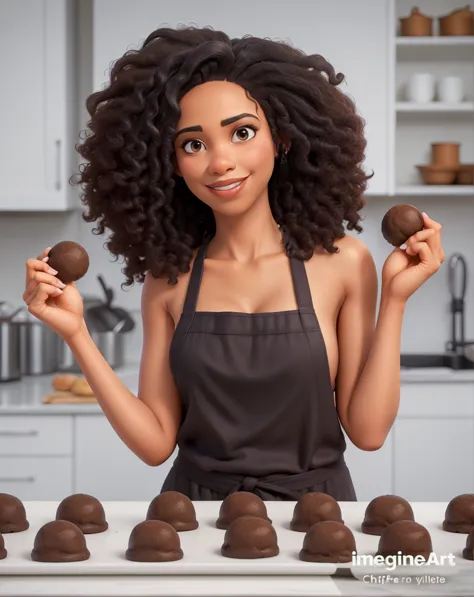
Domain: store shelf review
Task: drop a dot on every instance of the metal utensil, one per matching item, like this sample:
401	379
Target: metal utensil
457	278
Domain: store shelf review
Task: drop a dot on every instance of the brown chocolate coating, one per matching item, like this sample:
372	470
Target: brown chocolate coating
328	541
250	537
459	515
406	536
85	511
240	503
384	510
3	551
175	508
401	222
154	541
70	260
312	508
12	514
60	541
468	551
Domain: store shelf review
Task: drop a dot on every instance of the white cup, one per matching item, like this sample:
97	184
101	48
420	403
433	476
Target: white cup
451	89
420	88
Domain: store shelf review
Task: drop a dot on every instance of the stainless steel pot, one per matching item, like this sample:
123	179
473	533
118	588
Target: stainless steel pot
111	345
10	364
40	347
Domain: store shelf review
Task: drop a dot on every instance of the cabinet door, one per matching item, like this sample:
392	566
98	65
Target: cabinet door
35	478
37	103
107	469
434	458
351	35
372	472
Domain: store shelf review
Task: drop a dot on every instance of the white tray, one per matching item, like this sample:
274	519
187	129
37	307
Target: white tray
202	547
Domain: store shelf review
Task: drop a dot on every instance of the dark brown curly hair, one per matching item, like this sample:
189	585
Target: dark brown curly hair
129	184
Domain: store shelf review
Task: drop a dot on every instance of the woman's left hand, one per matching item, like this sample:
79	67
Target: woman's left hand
405	270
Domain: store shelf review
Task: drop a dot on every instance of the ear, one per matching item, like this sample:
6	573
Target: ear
282	140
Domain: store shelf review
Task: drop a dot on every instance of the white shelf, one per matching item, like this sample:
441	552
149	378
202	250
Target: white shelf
434	107
435	40
430	190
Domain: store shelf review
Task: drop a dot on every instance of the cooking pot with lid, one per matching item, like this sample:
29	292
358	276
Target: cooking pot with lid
10	363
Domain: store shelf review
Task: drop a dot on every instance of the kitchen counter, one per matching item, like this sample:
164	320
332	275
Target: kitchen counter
204	571
24	396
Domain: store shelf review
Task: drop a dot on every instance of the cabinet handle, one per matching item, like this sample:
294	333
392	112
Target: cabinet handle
17	479
10	433
58	164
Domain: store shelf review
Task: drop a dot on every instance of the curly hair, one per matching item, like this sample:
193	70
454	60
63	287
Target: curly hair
129	184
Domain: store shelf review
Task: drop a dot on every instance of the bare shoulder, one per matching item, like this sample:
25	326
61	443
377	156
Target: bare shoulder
355	261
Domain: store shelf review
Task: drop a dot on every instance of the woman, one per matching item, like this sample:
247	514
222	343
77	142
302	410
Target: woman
258	310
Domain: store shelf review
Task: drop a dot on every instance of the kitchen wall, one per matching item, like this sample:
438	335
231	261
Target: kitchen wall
427	320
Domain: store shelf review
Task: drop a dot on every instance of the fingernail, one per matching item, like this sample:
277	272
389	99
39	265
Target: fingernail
404	246
52	271
61	284
425	214
45	259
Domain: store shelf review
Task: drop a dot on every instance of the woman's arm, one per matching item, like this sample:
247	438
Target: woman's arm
148	425
368	378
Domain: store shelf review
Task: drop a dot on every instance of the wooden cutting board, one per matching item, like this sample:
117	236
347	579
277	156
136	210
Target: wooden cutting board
64	397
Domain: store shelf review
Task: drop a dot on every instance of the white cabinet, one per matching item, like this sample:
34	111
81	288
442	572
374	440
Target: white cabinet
38	103
332	28
107	469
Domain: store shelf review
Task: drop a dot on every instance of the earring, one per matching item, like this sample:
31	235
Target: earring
282	153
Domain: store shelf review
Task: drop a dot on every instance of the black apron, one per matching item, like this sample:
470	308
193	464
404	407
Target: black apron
258	405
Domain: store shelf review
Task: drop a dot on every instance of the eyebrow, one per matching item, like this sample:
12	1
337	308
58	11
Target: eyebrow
226	122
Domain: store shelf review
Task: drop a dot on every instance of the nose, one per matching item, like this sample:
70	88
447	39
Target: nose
221	161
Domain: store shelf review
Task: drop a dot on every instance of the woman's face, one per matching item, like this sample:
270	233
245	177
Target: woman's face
222	147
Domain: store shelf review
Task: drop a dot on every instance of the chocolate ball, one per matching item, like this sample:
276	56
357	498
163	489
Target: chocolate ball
154	541
12	514
384	510
401	222
240	503
406	536
468	551
85	511
60	541
314	507
70	260
328	541
459	515
3	551
175	508
250	537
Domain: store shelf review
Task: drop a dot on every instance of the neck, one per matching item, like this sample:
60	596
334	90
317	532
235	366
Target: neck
246	237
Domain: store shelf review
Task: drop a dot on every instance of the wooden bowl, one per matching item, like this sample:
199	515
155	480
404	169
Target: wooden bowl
437	174
465	174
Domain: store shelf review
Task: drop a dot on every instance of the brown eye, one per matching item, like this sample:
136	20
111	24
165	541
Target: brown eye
243	133
193	144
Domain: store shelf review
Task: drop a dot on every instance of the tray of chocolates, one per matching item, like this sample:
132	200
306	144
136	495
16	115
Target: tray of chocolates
172	535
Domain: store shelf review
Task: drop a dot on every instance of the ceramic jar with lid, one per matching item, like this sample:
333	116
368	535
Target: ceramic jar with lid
416	24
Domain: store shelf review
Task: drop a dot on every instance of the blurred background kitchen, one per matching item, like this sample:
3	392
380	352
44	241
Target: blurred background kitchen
411	72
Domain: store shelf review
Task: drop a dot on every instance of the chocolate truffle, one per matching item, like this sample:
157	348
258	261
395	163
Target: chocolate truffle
468	551
154	541
401	222
175	508
3	551
312	508
60	541
406	536
85	511
240	503
459	515
250	537
328	541
384	510
12	514
70	260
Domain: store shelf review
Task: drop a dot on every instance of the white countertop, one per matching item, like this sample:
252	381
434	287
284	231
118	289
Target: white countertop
24	396
204	571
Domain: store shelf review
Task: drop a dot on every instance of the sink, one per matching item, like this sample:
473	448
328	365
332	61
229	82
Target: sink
424	361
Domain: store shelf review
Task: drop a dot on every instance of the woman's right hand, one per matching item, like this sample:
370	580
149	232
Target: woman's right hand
59	306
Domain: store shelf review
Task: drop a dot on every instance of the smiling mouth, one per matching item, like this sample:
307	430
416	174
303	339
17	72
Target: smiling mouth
227	187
